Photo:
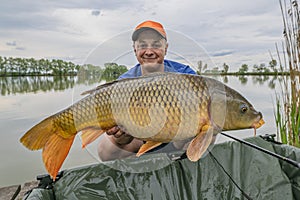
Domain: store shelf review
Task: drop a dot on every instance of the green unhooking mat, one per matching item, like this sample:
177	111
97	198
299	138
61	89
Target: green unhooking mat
230	171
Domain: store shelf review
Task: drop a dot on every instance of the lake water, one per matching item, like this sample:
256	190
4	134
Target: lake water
24	101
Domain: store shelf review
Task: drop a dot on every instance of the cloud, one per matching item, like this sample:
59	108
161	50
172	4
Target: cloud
20	48
222	53
13	43
96	12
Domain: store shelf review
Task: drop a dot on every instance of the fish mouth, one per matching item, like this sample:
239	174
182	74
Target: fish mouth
258	124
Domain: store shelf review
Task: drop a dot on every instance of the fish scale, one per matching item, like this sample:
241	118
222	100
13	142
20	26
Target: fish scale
169	97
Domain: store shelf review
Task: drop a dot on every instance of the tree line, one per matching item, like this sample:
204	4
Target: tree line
271	68
10	66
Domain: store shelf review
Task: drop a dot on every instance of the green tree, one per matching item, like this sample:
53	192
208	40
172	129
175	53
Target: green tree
23	67
273	65
225	67
244	68
2	66
201	67
259	68
113	71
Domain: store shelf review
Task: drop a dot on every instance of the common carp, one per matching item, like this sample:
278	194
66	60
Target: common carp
157	108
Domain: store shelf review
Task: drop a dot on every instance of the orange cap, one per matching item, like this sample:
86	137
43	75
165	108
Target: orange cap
149	25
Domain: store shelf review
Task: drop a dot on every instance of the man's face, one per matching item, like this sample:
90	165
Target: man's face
150	49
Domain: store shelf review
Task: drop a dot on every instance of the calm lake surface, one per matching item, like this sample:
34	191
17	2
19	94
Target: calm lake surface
24	101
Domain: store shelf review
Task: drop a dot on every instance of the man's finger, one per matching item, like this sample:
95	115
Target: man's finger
119	134
113	130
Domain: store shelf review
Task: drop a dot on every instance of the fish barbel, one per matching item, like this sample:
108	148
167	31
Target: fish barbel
157	108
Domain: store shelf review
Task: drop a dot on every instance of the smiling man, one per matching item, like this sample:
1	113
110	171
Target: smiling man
150	48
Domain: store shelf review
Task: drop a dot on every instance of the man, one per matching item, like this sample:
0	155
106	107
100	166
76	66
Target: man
150	48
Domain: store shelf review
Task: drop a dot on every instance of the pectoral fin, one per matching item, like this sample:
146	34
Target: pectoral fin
147	147
199	144
89	135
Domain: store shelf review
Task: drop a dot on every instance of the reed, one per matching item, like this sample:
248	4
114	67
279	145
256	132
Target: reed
287	112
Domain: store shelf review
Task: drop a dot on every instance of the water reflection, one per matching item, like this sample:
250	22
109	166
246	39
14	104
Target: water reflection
257	80
27	84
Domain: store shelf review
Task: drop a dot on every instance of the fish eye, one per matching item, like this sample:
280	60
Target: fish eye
243	108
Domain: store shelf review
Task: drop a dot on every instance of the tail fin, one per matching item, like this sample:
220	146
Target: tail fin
37	136
46	136
55	152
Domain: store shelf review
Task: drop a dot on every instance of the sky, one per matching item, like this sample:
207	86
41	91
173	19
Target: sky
234	32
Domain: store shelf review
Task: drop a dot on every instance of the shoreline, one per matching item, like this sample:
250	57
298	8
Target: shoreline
17	191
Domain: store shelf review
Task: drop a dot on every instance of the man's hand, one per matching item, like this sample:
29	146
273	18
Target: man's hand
117	144
118	136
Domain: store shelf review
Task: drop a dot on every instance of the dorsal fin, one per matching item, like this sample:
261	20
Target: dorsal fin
99	87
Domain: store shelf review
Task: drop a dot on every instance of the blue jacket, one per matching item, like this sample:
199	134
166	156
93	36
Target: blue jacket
170	66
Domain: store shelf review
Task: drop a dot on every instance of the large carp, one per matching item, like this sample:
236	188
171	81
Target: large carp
157	108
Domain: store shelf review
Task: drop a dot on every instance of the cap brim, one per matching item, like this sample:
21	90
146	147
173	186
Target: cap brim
137	32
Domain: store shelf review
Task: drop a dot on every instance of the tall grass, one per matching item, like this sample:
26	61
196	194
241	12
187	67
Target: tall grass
287	112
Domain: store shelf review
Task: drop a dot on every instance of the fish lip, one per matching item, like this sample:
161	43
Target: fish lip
258	122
